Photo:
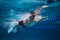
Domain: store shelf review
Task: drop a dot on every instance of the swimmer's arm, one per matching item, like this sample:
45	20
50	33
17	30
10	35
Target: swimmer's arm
39	9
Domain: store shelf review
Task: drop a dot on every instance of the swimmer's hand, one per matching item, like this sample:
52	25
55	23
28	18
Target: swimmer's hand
45	6
39	9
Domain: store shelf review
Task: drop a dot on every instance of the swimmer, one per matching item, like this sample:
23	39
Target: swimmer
28	20
32	17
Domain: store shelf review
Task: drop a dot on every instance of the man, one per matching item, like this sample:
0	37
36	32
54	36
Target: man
27	20
32	17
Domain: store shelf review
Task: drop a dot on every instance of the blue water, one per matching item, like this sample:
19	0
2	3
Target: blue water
47	29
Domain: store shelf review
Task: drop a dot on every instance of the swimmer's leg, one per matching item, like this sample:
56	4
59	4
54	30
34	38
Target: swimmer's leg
15	29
